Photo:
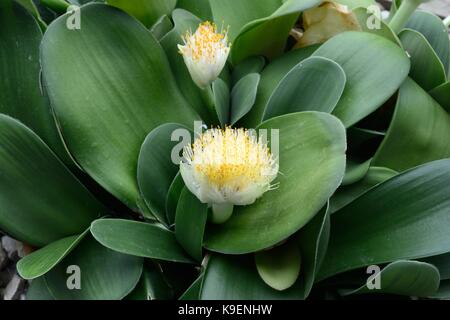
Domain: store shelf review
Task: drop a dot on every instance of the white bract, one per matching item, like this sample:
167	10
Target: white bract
227	167
205	53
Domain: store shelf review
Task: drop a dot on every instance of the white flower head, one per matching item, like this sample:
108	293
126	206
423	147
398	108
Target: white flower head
227	167
205	53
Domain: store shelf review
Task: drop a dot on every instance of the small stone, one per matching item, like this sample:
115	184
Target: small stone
13	248
14	288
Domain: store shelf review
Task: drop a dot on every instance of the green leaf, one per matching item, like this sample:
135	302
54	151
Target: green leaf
279	267
193	292
190	223
185	21
43	260
370	23
108	85
442	95
172	197
303	88
250	65
426	68
312	162
409	278
236	14
161	27
273	29
351	4
442	262
31	7
38	290
411	209
270	78
428	141
138	239
375	69
432	28
243	96
313	239
146	11
347	194
152	285
200	8
103	273
236	278
21	95
355	171
40	200
156	170
222	101
443	292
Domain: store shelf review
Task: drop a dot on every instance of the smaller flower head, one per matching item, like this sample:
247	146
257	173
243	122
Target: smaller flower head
205	53
226	167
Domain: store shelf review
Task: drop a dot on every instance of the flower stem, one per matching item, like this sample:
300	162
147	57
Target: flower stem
403	14
221	212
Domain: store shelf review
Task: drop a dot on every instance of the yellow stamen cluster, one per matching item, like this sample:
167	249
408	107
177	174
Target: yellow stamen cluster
231	158
205	43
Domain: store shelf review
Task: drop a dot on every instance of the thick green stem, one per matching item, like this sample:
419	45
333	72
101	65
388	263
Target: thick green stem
221	212
59	6
208	98
403	14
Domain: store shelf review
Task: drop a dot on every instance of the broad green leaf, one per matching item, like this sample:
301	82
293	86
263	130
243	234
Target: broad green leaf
200	8
31	7
146	11
348	193
161	27
38	290
444	291
193	292
409	278
103	274
236	278
108	85
355	171
190	222
41	201
268	36
270	78
172	197
432	28
370	23
21	96
152	285
280	266
138	239
312	162
236	14
411	209
375	69
185	21
315	84
243	96
156	170
43	260
426	68
427	126
442	95
313	239
222	101
253	64
442	262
